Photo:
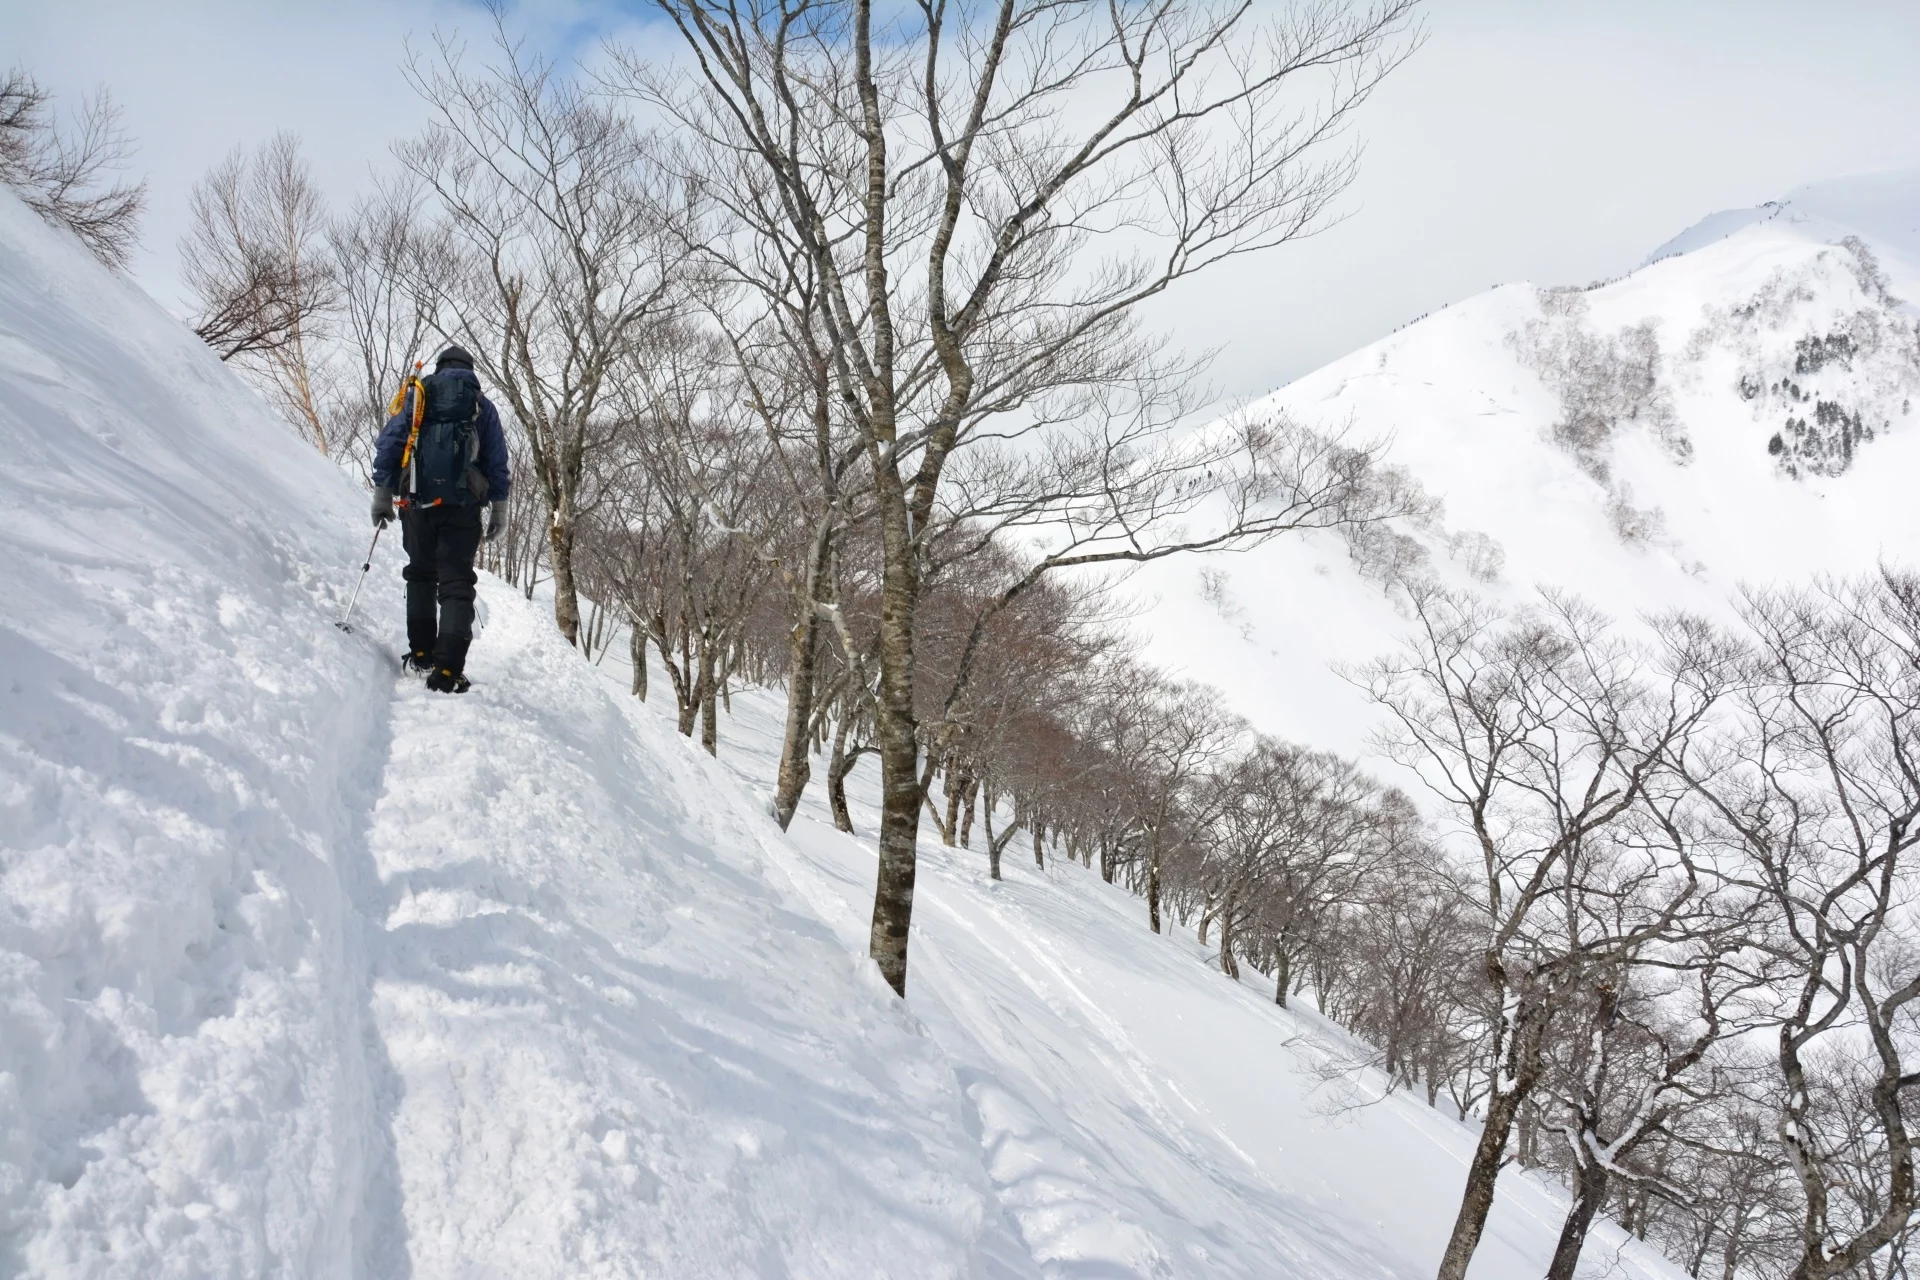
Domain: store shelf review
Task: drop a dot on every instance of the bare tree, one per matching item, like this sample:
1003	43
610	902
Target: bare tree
707	472
1396	963
1815	788
1539	738
385	323
1625	1064
774	331
263	274
60	174
558	259
954	230
1292	834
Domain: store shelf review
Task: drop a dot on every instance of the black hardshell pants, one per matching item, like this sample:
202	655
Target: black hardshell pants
440	543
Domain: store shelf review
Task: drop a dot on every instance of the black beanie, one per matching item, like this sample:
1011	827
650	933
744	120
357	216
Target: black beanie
456	356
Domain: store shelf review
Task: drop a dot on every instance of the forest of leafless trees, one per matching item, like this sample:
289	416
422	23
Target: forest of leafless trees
821	346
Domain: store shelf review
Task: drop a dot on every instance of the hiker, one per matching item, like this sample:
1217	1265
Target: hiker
442	459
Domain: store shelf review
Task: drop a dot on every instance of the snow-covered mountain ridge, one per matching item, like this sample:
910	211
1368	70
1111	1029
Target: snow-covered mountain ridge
1741	409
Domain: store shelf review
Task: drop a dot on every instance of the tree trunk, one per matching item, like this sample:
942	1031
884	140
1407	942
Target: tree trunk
993	846
1039	847
971	798
1153	891
1526	1146
839	765
709	707
959	778
1283	970
795	767
1528	1027
637	649
1589	1193
1477	1200
1229	965
940	824
899	748
685	701
689	709
566	595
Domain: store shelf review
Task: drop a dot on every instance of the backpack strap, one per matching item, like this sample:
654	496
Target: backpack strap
410	384
419	391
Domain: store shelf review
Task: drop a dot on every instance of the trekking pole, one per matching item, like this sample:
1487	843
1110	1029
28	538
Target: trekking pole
355	597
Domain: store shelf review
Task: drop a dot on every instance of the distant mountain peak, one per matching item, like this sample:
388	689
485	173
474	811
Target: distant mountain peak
1881	207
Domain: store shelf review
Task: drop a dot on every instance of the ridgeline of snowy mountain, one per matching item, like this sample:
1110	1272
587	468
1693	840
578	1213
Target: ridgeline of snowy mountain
1883	208
306	972
1740	410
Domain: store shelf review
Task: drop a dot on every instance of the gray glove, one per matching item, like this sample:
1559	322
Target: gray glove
496	519
382	506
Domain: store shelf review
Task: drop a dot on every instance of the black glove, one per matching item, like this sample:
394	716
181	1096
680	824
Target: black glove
496	519
382	506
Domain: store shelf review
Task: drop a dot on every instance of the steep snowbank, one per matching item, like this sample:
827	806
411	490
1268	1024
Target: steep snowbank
306	973
190	754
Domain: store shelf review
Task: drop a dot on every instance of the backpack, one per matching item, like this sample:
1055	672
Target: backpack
443	448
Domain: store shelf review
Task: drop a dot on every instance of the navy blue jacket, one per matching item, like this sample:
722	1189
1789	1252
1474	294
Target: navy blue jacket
493	447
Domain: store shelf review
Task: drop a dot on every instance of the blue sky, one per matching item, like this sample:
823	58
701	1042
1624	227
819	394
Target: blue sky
1551	140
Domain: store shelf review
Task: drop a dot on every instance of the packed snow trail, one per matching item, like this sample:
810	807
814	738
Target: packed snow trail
307	973
616	1050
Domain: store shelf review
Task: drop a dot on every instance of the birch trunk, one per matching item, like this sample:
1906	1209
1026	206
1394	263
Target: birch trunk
796	766
637	650
1589	1193
709	689
894	728
1478	1198
839	765
566	594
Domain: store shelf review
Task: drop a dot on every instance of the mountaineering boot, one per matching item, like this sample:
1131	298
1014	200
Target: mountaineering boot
447	680
419	662
456	633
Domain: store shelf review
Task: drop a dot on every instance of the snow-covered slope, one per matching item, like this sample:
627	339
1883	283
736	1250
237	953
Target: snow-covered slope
306	973
1740	412
1144	1116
